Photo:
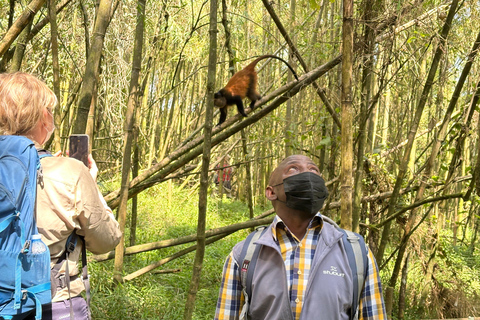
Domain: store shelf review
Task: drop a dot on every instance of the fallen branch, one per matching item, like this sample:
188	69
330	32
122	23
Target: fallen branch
431	14
167	271
190	238
26	16
172	257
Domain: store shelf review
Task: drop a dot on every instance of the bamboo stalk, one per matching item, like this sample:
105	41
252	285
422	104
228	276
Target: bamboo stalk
185	239
180	253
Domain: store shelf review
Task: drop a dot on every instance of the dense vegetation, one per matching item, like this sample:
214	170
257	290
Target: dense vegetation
162	296
408	154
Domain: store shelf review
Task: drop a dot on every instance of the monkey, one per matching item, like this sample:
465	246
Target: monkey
242	84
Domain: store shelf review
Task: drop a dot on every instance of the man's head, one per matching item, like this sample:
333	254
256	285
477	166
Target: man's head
296	185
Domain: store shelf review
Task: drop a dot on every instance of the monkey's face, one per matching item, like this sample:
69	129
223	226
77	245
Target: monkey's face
219	100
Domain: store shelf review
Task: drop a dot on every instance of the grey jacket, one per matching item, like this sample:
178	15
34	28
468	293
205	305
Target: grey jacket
329	291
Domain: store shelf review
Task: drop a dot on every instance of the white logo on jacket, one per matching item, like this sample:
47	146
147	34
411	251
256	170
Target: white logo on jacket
334	272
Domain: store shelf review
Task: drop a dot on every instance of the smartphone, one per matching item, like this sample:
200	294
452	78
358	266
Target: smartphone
78	148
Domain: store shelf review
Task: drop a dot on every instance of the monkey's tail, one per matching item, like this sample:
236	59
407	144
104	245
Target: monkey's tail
278	58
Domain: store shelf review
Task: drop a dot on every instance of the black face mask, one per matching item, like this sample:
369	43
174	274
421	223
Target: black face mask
305	191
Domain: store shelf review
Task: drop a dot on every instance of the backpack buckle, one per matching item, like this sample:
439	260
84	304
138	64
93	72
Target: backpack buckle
26	246
70	247
24	295
352	238
62	281
71	243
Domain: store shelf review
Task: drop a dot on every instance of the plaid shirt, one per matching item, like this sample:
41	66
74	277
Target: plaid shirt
298	256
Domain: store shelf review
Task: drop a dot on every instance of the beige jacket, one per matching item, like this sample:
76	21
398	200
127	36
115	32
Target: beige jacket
68	200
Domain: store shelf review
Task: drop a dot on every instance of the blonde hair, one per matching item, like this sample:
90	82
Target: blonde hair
23	98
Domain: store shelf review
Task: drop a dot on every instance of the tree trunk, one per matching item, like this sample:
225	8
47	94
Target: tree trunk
203	197
52	12
135	169
461	141
403	290
128	136
346	183
22	41
290	124
91	69
85	27
248	173
367	79
19	25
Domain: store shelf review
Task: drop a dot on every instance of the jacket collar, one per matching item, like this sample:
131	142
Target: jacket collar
329	233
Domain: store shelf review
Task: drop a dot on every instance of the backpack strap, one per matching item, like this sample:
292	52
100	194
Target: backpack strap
42	153
85	276
64	280
357	259
248	258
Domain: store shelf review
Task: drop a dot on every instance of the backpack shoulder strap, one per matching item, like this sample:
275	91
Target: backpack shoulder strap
64	280
357	259
248	260
42	153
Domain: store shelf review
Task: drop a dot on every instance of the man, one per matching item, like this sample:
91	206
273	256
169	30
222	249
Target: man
226	172
223	176
302	271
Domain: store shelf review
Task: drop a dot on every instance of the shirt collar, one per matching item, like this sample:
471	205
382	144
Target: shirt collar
277	223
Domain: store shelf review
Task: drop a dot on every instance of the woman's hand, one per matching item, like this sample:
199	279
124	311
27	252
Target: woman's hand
93	167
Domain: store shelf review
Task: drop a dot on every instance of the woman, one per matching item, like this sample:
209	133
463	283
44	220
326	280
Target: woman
68	200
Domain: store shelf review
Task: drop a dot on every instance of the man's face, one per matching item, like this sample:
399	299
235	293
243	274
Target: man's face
298	164
291	166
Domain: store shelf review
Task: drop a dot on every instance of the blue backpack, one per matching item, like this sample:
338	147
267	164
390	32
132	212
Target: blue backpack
25	277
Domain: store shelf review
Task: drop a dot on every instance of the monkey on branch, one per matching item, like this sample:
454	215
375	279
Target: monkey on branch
242	84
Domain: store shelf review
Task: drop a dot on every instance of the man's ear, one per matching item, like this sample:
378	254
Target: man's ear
270	193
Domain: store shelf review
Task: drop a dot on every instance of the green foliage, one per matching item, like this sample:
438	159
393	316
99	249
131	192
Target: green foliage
162	296
167	212
452	291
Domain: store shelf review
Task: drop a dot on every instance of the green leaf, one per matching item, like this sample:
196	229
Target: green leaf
325	142
314	4
411	39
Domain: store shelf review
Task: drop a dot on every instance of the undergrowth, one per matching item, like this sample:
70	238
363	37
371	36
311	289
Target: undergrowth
167	212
